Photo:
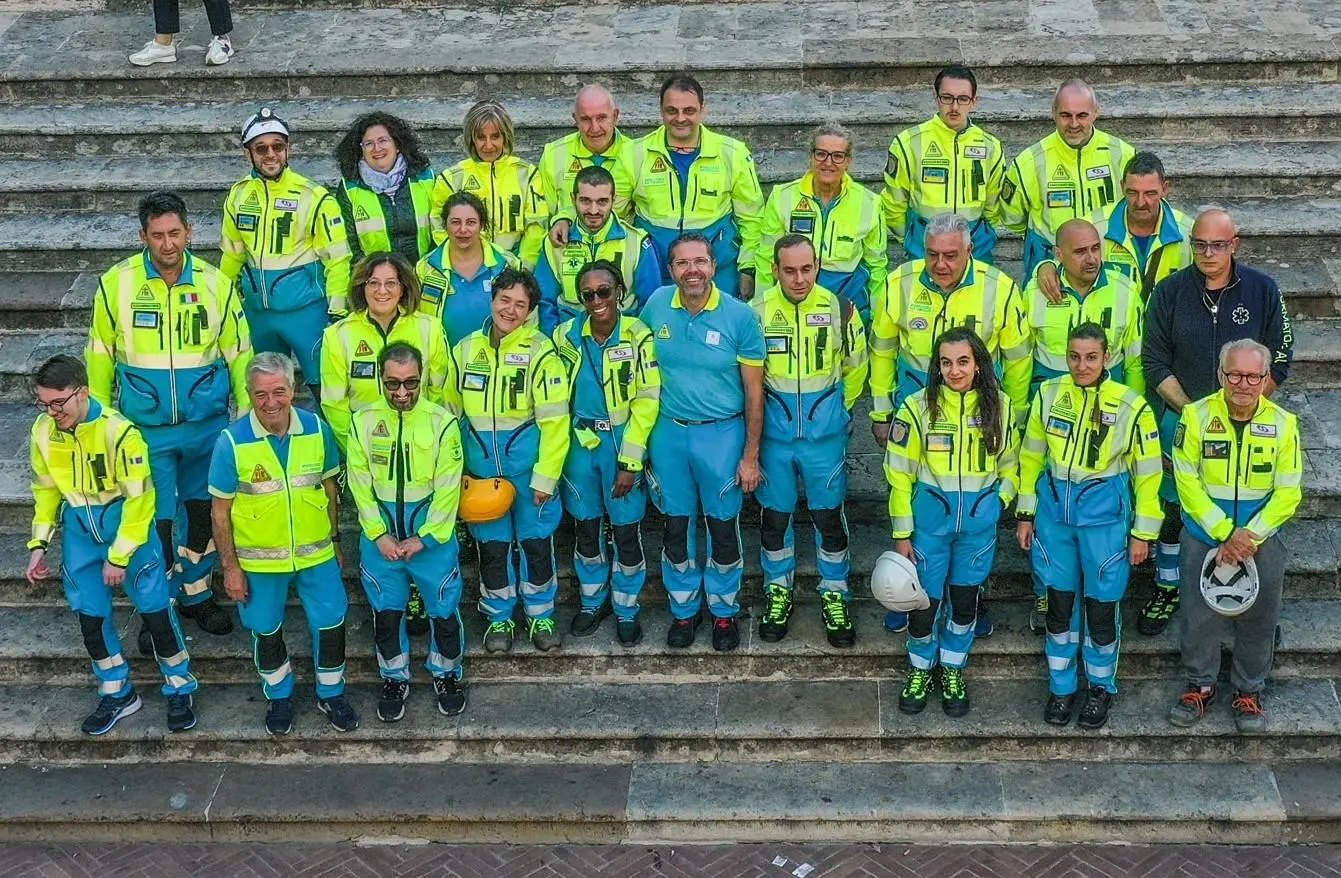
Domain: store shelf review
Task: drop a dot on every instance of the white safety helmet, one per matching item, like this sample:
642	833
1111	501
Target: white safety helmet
894	584
264	122
1229	589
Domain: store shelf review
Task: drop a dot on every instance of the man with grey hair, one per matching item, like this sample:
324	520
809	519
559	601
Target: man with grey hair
1238	463
1073	172
273	480
597	141
841	218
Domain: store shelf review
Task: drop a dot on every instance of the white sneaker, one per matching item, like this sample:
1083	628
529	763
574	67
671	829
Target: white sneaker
219	51
155	52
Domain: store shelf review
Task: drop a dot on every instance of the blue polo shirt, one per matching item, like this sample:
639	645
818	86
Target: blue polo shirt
700	355
223	465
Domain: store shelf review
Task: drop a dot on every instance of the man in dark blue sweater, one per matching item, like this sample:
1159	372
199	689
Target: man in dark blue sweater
1190	316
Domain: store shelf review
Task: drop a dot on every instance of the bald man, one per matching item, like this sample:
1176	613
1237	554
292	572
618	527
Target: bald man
597	141
1189	318
1073	172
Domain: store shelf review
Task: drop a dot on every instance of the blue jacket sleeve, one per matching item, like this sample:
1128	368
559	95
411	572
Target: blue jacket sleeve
549	295
647	278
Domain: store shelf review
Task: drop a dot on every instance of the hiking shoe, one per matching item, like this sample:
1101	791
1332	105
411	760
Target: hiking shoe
954	694
914	695
1058	710
985	624
1157	612
777	610
896	622
498	636
145	642
212	618
155	52
111	710
451	695
587	622
181	713
725	633
629	631
1038	616
1192	705
279	716
1249	717
219	51
416	616
682	632
342	717
837	623
1094	712
544	634
391	703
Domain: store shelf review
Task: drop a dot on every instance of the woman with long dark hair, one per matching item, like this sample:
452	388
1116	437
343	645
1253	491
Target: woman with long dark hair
951	466
386	187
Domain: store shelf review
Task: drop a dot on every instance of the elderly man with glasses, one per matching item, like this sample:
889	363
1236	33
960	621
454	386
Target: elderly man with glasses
1191	315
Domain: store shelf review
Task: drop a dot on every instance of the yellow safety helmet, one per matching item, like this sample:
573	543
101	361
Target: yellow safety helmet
485	499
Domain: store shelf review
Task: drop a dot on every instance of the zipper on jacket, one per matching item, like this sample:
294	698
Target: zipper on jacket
172	346
802	353
83	484
954	177
499	389
263	238
959	465
401	465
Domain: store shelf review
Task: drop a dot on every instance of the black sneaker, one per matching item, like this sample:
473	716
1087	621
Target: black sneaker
337	709
1157	612
777	610
391	703
725	633
1058	711
837	623
629	631
587	622
416	617
1094	712
954	694
279	716
913	698
145	642
1038	615
111	710
683	631
181	713
985	624
1249	716
212	618
451	695
1192	705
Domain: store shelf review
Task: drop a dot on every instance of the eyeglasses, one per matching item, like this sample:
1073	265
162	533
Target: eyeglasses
55	405
390	286
824	155
1252	379
394	384
952	100
700	262
603	292
267	149
1212	247
379	142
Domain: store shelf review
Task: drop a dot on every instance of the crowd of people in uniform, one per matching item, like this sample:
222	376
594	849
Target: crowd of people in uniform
501	343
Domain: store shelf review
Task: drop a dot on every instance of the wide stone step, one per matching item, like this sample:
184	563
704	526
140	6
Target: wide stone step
882	801
765	46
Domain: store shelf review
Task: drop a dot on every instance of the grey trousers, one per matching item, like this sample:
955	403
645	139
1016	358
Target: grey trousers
1254	631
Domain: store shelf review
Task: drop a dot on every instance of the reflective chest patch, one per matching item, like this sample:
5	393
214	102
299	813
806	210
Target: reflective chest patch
1059	427
1215	449
940	442
146	320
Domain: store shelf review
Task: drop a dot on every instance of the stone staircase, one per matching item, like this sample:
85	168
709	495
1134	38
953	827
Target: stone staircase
789	741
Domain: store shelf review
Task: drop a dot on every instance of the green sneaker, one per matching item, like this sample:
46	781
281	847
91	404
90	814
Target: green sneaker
837	623
544	635
954	695
498	636
914	695
1155	615
1038	616
777	610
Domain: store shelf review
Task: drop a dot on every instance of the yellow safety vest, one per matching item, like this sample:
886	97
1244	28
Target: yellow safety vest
1113	302
370	221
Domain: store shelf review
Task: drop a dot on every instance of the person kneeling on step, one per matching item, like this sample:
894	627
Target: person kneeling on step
951	466
1090	444
405	463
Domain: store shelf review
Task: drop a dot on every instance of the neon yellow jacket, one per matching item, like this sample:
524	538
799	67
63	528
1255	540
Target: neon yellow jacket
369	231
1170	250
933	169
1113	302
511	191
167	355
947	456
1078	437
849	235
405	471
350	381
1052	182
1226	480
285	240
102	461
630	380
563	158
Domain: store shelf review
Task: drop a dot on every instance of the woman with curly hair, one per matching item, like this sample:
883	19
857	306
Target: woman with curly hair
386	190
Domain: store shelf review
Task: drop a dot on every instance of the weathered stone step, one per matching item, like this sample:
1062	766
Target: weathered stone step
638	802
598	723
44	648
741	47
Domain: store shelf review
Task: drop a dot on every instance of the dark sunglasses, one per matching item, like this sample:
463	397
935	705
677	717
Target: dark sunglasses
394	384
604	292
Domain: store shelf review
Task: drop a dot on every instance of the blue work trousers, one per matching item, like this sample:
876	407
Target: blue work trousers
322	593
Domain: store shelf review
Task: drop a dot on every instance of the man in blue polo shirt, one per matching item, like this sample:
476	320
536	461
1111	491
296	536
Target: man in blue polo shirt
704	450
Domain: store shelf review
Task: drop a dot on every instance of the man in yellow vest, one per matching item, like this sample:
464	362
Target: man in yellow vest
597	142
273	478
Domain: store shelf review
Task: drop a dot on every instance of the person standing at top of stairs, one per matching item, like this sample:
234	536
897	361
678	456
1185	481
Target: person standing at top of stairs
162	49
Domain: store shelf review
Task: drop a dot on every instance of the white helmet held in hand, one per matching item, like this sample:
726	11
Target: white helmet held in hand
894	584
1229	589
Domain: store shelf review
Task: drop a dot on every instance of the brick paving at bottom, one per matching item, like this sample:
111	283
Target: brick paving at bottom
142	860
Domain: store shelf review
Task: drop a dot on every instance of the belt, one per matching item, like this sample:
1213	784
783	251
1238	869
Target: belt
598	424
686	422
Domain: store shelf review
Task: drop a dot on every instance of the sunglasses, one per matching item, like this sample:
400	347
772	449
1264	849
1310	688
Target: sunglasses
394	384
603	292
